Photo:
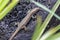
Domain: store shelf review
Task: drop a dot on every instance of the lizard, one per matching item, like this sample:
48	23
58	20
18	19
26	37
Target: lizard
24	22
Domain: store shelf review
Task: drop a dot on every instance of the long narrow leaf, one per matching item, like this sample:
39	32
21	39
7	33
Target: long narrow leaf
8	8
3	4
38	25
50	32
45	23
54	37
1	1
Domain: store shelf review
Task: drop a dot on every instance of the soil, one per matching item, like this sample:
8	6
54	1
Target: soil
8	26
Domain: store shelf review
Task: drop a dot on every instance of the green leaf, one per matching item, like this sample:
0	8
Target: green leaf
50	32
54	37
45	23
3	4
8	8
38	25
1	1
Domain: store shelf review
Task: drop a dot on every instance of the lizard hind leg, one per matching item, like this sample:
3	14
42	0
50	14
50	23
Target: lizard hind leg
24	27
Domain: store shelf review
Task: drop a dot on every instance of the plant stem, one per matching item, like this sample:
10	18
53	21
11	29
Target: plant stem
3	4
8	8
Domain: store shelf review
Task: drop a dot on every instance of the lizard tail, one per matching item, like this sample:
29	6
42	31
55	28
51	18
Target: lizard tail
14	34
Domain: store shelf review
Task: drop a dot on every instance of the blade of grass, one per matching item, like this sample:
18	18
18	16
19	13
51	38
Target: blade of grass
54	37
50	32
3	4
45	8
1	1
45	23
8	8
39	22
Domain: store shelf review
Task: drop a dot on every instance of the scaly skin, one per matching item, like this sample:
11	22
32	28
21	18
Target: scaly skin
24	21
